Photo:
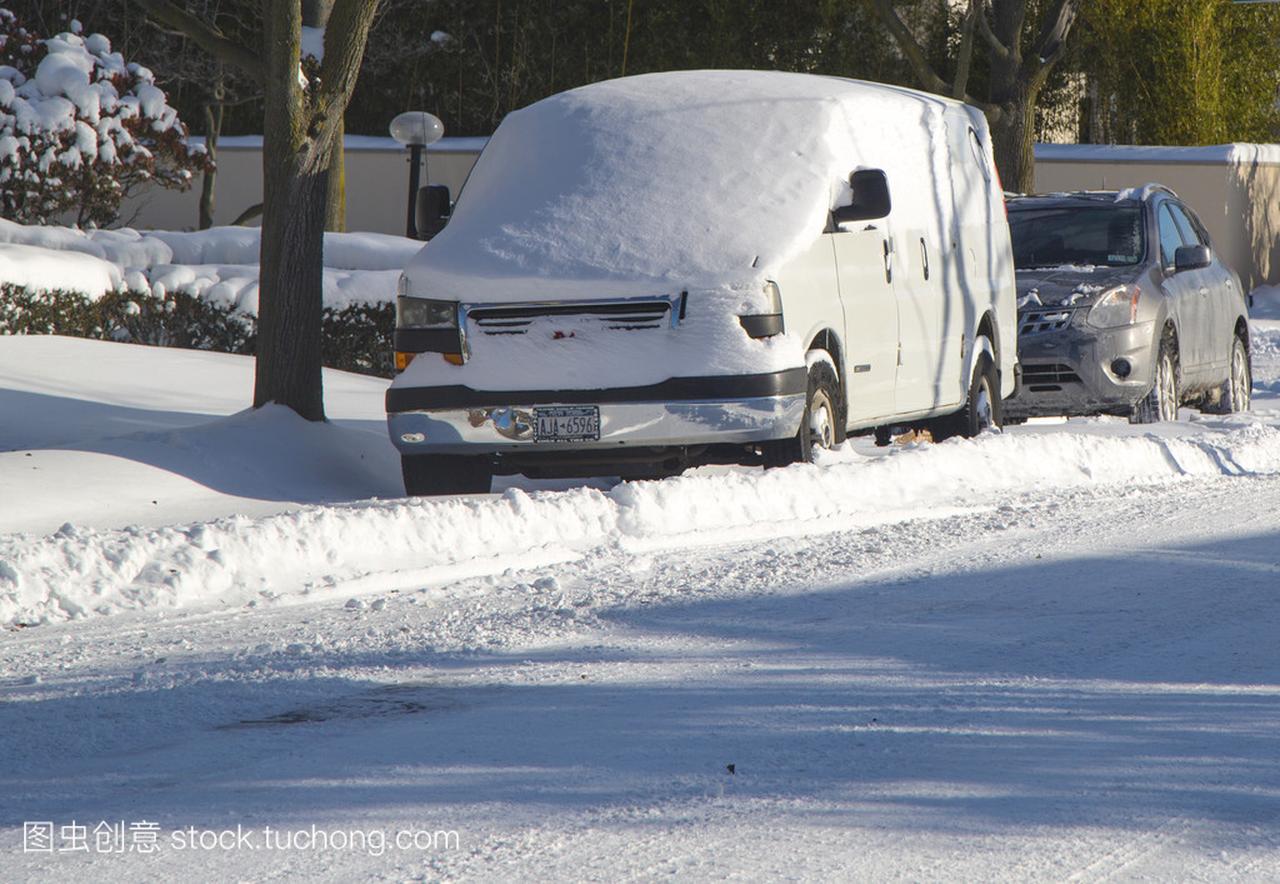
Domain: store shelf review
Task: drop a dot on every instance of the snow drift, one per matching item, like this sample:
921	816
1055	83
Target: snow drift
407	544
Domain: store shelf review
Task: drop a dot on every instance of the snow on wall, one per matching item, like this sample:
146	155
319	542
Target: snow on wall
1220	154
79	572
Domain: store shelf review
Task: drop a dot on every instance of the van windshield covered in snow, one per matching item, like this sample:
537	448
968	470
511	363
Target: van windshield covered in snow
1102	235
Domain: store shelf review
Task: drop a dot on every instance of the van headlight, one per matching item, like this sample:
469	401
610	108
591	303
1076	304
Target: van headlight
768	324
425	313
1116	307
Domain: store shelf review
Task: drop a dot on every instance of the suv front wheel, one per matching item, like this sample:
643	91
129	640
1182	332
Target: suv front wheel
1161	403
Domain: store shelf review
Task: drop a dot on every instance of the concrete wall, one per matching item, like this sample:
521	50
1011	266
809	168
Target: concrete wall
377	172
1235	189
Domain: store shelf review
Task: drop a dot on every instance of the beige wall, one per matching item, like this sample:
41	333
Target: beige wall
1235	192
1239	201
377	186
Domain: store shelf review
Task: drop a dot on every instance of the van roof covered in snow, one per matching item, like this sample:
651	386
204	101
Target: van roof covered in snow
684	180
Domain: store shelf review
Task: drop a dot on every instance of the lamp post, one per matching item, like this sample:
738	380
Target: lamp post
415	130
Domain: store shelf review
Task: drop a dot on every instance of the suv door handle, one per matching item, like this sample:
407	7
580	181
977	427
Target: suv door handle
888	262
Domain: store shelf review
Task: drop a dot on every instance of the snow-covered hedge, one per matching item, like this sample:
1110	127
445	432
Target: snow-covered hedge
356	337
80	127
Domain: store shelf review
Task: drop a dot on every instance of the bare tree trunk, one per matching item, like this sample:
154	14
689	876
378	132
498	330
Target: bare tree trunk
212	129
335	200
290	283
315	14
1013	130
302	119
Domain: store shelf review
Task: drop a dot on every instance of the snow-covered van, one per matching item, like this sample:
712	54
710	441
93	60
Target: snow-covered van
705	267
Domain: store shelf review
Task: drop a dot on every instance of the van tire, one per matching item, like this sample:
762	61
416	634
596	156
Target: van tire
820	425
431	474
981	408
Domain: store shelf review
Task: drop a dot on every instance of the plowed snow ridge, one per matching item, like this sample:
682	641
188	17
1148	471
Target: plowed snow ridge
80	572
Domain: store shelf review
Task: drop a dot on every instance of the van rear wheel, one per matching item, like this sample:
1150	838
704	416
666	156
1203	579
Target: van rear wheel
430	474
820	426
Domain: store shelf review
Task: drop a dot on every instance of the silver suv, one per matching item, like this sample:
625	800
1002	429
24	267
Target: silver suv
1124	309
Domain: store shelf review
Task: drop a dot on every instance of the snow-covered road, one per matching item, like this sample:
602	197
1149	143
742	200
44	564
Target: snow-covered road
1045	654
1078	685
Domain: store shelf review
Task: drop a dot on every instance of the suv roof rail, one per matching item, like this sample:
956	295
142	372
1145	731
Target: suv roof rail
1144	192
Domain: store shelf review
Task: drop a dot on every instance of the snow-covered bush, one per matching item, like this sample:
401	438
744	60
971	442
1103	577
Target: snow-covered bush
80	128
356	337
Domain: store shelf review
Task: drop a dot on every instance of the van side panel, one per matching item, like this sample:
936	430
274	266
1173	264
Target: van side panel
987	271
919	171
810	295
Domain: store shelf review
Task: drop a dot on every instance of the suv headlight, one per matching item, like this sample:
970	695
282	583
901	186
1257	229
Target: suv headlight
425	313
1116	307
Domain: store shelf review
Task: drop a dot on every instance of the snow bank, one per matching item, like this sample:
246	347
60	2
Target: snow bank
40	268
381	545
219	263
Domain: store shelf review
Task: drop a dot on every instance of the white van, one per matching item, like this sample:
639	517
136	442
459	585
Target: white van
706	267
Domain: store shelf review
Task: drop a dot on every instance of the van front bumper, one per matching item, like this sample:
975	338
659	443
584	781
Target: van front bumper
679	412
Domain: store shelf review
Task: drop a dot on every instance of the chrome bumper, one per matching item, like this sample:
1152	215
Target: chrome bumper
507	428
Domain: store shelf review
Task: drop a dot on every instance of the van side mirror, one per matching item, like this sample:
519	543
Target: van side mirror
870	198
431	210
1191	258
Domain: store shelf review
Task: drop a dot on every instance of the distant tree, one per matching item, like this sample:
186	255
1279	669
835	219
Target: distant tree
302	118
1180	71
1020	41
471	62
80	128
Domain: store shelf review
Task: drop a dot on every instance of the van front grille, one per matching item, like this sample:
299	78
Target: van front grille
628	315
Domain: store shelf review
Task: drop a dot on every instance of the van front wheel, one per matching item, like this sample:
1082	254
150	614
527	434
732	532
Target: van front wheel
981	409
820	426
428	474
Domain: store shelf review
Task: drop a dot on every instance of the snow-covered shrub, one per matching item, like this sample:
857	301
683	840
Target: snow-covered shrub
80	128
175	320
355	338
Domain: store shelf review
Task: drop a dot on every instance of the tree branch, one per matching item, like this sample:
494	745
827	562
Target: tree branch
915	56
1053	36
204	35
964	60
345	38
998	49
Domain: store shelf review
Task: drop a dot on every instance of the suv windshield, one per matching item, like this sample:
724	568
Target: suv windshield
1106	235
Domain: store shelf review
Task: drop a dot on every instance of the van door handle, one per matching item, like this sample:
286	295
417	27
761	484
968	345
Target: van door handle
924	255
888	262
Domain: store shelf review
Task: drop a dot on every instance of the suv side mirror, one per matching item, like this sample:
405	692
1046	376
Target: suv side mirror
870	198
431	210
1191	258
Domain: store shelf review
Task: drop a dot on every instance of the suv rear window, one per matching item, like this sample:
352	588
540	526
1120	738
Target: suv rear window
1106	235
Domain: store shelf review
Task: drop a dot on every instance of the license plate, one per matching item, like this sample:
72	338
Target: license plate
567	423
